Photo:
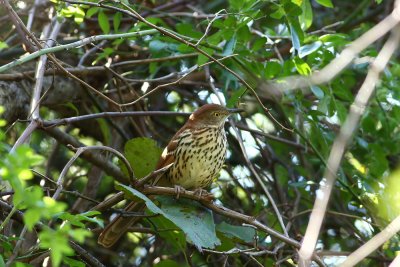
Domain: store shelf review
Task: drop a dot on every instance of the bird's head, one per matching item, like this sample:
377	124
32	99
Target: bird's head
211	115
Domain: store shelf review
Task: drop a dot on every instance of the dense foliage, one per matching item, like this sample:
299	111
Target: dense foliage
176	56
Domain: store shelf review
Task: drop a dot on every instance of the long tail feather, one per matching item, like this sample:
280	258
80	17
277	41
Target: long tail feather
117	227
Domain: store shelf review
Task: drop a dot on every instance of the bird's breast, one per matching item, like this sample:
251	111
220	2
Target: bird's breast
199	157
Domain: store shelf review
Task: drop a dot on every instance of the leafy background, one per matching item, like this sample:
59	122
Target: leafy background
286	147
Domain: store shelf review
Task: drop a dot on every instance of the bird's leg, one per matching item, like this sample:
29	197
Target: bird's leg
178	190
201	193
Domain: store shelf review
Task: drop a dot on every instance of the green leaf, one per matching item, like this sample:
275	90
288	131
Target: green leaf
195	220
259	43
324	103
187	29
235	97
306	17
105	130
78	219
246	234
317	91
21	264
57	242
272	69
6	243
302	67
143	154
31	217
68	11
105	54
325	3
315	114
72	107
133	193
73	263
117	21
342	92
278	14
305	50
230	46
79	234
172	235
167	263
341	111
184	49
337	38
91	11
236	4
39	207
378	162
79	15
243	33
3	45
202	58
103	22
295	37
157	47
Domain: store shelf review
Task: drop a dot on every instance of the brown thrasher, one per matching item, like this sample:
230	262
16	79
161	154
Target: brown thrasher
197	152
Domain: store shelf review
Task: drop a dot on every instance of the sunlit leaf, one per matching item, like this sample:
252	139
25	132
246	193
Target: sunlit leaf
58	242
325	3
302	67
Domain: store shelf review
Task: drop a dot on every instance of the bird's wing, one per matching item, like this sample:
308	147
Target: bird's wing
167	156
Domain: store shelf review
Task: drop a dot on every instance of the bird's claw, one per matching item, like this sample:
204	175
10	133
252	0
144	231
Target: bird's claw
178	190
204	194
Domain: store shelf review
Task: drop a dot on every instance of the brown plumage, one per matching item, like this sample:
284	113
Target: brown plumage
197	152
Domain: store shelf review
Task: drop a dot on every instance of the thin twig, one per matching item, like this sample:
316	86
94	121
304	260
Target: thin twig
270	136
95	70
65	121
190	70
84	41
216	16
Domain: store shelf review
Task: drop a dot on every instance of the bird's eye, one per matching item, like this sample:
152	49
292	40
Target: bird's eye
216	114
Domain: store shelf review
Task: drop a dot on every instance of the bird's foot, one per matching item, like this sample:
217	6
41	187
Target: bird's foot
178	190
204	194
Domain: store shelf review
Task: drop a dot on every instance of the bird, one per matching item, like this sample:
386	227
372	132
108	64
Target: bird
196	154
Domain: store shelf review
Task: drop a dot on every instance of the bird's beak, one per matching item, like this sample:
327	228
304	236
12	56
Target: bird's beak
235	110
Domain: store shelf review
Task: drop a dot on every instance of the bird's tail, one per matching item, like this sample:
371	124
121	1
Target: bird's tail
117	227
